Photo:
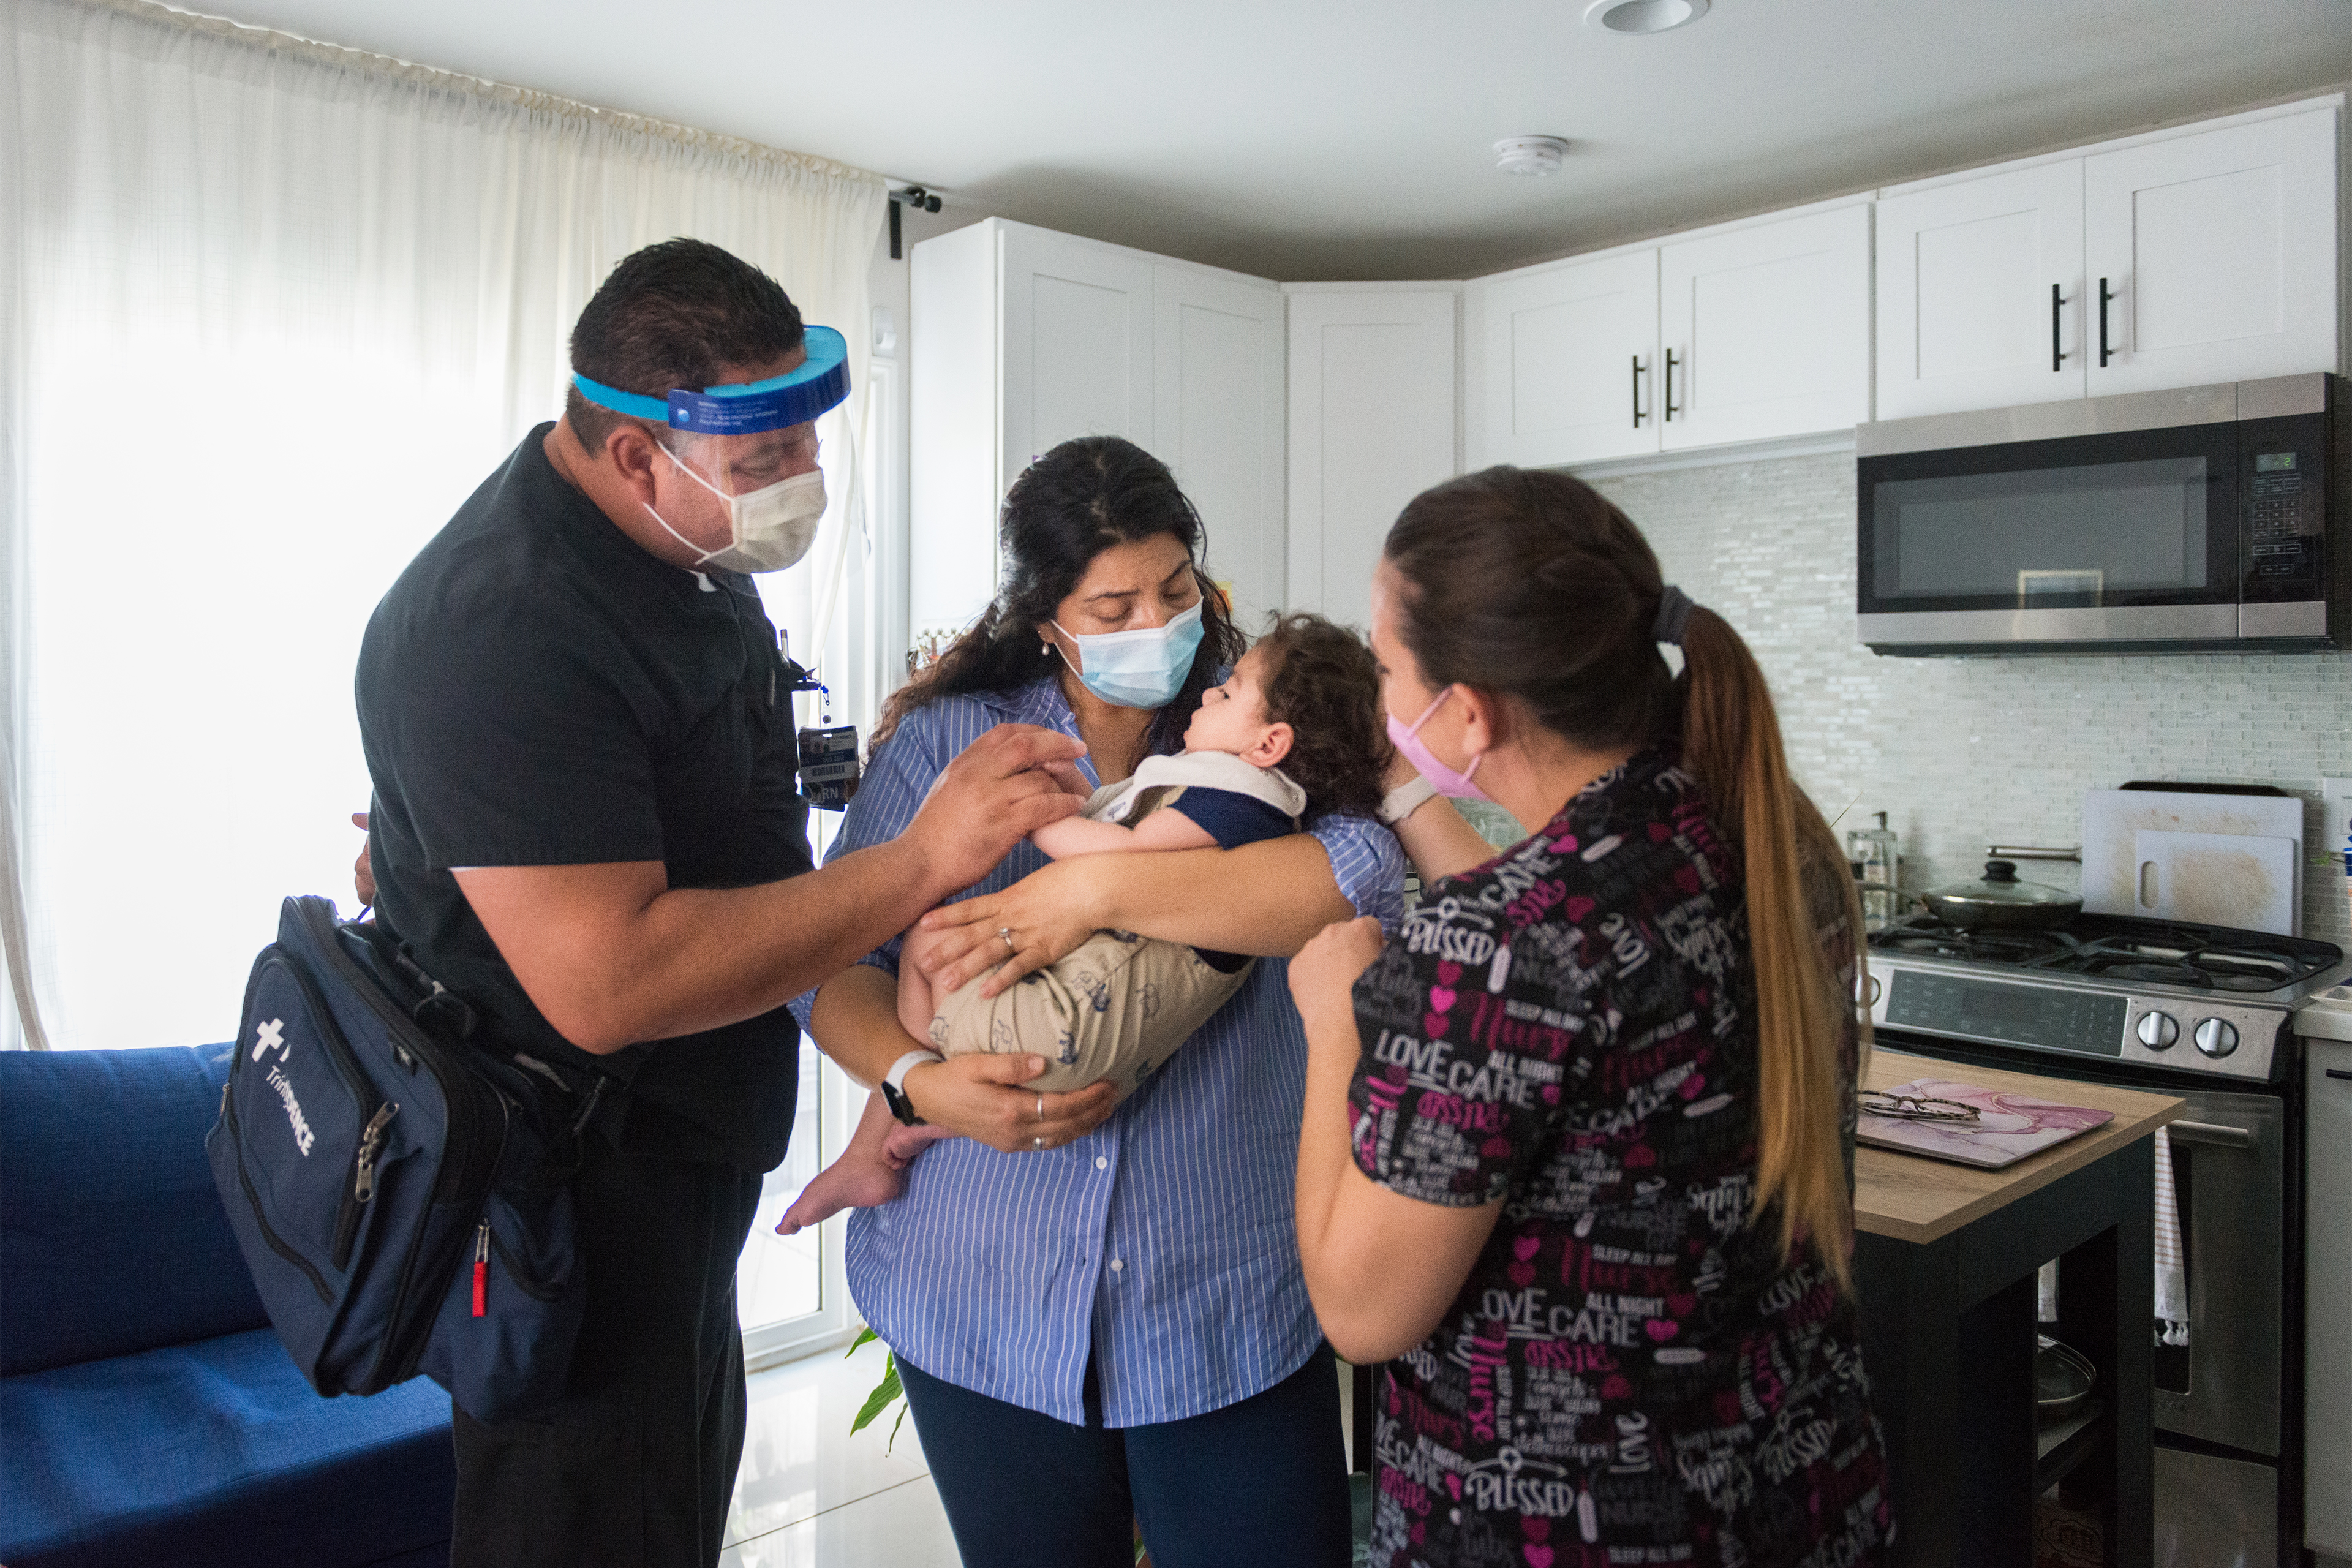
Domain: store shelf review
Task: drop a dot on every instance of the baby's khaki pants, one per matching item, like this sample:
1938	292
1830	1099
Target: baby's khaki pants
1115	1008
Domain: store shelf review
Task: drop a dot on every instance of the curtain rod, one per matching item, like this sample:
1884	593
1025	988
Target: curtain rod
341	57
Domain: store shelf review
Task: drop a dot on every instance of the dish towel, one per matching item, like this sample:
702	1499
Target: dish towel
2171	1273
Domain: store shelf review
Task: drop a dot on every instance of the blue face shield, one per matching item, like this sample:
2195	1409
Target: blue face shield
796	397
1142	669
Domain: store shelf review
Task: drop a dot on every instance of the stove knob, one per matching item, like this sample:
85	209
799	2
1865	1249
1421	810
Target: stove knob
2216	1038
2158	1032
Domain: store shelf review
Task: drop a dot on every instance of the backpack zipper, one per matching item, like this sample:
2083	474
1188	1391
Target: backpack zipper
347	1223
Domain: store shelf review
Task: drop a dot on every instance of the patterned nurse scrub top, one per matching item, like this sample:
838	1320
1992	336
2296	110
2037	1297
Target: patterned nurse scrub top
1629	1376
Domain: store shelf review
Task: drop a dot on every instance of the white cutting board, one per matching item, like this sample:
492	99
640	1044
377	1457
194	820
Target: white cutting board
2113	818
2216	878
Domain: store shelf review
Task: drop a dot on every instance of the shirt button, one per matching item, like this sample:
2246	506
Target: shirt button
1102	1162
1118	1264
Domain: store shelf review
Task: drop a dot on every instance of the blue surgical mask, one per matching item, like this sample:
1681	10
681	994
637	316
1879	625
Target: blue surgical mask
1142	669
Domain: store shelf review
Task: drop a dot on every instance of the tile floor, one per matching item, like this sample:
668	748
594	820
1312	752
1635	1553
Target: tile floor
810	1495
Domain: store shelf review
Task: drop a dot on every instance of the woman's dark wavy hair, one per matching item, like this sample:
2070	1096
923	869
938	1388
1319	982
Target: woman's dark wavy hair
1066	508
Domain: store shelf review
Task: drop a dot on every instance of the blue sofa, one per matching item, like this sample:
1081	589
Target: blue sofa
147	1412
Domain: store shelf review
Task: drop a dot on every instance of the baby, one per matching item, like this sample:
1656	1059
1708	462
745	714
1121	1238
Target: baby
1295	733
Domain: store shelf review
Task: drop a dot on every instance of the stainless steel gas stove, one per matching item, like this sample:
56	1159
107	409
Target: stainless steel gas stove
2201	1012
2191	999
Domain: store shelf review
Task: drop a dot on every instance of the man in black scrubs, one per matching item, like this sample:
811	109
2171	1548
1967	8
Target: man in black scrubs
585	819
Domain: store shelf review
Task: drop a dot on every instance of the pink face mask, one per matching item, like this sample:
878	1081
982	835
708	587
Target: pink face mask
1443	779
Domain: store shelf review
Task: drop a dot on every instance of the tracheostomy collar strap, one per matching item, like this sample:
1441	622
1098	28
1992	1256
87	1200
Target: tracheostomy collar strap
820	383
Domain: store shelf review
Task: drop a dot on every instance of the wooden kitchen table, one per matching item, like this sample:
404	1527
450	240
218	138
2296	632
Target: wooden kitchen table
1944	1267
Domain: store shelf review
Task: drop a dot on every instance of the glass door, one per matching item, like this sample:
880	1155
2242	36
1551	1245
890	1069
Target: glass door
792	1292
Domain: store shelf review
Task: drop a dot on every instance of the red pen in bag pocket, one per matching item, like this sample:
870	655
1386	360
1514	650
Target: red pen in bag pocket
482	1270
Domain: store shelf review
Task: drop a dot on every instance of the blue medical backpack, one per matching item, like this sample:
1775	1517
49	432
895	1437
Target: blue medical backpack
402	1192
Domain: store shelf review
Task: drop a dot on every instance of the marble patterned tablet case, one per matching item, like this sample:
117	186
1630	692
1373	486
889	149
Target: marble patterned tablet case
2008	1128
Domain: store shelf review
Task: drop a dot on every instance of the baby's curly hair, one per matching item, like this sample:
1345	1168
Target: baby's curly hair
1323	682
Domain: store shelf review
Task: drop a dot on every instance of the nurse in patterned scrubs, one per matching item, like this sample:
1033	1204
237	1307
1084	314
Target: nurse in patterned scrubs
1099	1316
1577	1157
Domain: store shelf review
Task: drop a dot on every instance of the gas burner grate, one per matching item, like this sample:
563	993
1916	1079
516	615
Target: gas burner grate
2178	955
2122	949
1929	936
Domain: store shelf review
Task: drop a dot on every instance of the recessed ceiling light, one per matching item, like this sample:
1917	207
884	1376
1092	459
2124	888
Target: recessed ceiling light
1531	154
1644	16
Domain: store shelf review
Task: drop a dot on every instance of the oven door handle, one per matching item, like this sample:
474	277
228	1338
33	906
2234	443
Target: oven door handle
2211	1133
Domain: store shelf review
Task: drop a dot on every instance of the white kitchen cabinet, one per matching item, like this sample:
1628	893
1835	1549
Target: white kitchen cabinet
1981	292
1754	330
1219	422
2215	251
1569	363
2218	251
1372	379
1021	339
1076	341
1764	330
2327	1295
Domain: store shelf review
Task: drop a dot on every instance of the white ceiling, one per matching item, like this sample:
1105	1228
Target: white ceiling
1344	138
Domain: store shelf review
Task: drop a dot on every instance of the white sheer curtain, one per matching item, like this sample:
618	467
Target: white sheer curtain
270	310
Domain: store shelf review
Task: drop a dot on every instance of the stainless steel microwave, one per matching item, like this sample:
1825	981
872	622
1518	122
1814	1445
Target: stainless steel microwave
2209	518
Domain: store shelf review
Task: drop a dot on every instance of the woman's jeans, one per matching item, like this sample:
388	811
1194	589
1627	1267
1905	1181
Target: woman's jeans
1262	1481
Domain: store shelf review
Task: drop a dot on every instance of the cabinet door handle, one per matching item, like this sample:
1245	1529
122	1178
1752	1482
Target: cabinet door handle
1670	386
1637	392
2057	303
2211	1133
2104	297
2340	1072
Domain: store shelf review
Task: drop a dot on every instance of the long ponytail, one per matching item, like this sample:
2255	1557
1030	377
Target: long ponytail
1731	744
1531	586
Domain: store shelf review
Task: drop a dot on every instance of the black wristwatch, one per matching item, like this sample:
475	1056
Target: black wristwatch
894	1085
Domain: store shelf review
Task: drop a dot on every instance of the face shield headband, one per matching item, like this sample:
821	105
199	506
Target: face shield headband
797	397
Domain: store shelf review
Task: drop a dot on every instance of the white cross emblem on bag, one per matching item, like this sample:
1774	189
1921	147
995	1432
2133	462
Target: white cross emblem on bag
273	1039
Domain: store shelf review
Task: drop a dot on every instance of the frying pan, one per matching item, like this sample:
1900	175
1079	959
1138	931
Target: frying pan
1999	901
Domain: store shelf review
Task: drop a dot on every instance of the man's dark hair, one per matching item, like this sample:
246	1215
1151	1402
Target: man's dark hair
1323	682
675	314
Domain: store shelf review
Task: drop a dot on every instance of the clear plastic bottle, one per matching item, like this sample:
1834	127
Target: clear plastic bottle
1875	853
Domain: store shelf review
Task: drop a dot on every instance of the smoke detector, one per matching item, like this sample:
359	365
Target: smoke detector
1644	16
1531	154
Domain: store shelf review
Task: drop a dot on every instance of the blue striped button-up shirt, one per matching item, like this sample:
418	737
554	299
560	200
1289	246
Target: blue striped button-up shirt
1162	1241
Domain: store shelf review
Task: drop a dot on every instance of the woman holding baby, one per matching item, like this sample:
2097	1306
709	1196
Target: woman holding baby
1099	1317
1577	1147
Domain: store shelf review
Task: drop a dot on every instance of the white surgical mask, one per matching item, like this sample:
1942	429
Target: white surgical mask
768	530
1142	668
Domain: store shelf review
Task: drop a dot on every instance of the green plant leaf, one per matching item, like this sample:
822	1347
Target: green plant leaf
865	1336
879	1400
894	1430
